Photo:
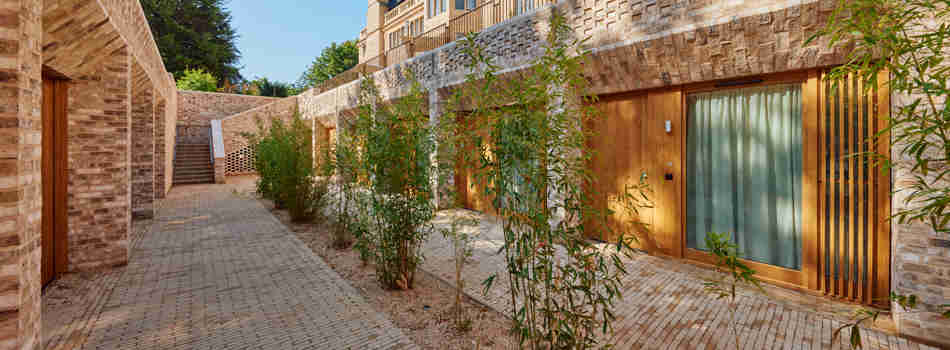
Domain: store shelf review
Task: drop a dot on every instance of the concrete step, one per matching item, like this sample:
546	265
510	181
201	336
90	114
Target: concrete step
204	158
195	172
201	166
194	181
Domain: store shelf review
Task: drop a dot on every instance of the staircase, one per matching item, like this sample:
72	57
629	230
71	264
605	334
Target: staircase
193	164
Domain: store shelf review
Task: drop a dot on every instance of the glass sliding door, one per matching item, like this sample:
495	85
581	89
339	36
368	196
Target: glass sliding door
744	171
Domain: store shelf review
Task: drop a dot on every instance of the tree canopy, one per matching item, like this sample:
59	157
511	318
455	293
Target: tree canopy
195	34
334	59
272	88
197	80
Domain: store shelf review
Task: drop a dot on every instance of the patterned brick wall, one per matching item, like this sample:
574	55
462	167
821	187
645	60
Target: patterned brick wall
159	149
20	182
199	108
921	259
644	44
171	117
99	168
233	126
130	22
143	143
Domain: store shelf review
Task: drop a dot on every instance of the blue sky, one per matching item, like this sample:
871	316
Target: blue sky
279	38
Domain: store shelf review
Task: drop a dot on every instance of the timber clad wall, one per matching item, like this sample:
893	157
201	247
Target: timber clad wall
199	108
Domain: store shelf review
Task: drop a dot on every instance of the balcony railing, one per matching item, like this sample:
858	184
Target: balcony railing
486	14
400	9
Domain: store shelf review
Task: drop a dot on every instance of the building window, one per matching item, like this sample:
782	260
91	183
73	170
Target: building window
522	6
744	157
465	4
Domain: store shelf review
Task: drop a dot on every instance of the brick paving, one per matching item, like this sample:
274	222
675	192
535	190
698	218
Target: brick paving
217	271
665	306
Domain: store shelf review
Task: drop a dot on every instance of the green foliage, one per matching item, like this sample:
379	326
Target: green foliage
335	59
908	39
194	34
285	164
461	251
525	136
197	80
266	87
350	217
735	274
394	149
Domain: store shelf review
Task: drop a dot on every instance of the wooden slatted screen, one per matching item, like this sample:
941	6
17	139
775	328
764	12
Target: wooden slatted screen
854	242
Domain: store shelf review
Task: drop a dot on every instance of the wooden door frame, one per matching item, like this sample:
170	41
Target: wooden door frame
54	167
806	277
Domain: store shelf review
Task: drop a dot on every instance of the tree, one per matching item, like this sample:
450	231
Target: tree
266	87
197	80
334	60
195	34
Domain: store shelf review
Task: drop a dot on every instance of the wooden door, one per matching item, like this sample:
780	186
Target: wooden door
471	181
854	244
617	142
54	163
664	154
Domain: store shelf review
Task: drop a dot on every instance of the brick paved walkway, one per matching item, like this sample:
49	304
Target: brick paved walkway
665	306
217	271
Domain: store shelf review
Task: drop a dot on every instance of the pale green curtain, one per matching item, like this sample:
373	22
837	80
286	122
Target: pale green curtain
744	166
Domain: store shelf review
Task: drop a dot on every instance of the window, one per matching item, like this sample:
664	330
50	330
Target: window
744	160
465	4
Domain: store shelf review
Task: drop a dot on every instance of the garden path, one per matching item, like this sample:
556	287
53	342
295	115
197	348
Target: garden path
215	270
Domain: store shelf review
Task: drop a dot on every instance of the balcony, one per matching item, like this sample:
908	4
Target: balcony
400	9
486	14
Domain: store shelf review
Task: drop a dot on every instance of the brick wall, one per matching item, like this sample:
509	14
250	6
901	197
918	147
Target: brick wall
159	149
232	127
921	258
199	108
130	22
645	44
99	169
20	182
143	143
171	121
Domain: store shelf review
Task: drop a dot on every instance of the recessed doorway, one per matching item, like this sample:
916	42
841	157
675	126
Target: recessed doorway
55	160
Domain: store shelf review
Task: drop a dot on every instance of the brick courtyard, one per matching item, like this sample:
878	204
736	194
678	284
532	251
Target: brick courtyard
215	270
665	305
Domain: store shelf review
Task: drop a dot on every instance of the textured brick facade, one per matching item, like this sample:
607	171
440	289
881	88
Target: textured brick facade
20	181
921	259
238	158
159	156
99	165
143	143
93	44
232	127
199	108
646	44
